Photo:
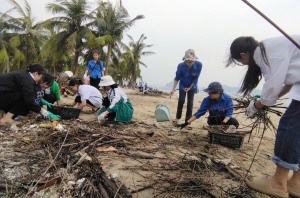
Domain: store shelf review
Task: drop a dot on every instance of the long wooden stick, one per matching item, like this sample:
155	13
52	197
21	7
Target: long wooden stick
272	23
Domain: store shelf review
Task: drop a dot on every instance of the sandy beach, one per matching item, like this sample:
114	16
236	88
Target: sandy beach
154	162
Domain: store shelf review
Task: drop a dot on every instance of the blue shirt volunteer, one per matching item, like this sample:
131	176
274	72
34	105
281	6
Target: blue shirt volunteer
224	106
186	75
95	68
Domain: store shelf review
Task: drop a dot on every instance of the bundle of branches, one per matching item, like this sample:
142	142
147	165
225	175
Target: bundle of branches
262	116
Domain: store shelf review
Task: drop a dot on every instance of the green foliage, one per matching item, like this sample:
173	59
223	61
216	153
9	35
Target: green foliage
64	42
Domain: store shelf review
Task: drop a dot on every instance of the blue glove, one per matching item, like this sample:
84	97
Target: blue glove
53	116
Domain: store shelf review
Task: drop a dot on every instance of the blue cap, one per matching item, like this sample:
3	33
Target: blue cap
214	86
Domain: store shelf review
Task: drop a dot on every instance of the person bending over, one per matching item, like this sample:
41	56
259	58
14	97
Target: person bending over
87	95
18	93
187	75
277	60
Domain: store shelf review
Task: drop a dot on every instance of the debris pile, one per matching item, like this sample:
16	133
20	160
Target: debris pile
40	161
41	158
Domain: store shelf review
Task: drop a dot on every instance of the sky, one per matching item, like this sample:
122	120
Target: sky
207	26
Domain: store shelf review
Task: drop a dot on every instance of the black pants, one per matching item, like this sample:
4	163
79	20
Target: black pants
95	82
190	101
50	98
78	99
215	118
13	102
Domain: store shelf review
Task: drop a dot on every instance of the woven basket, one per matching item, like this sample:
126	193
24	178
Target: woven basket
65	113
217	135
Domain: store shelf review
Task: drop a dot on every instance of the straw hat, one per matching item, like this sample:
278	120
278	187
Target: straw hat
190	55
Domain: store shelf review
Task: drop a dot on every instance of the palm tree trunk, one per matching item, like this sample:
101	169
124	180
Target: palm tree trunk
107	58
7	67
54	68
75	62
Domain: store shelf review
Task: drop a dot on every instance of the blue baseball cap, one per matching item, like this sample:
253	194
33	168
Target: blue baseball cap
214	86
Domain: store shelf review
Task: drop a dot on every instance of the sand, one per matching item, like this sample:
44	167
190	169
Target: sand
156	162
144	107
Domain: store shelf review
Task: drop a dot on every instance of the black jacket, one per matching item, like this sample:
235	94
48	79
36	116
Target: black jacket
23	82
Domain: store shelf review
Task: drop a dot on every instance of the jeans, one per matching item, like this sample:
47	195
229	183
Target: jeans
190	101
287	143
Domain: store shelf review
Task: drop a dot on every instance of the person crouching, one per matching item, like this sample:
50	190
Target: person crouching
218	104
116	106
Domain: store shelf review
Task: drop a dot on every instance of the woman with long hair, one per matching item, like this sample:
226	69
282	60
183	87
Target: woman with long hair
278	61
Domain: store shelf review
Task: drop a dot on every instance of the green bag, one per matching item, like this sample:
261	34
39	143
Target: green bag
162	113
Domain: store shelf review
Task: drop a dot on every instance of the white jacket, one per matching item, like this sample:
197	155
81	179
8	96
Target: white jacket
114	95
283	68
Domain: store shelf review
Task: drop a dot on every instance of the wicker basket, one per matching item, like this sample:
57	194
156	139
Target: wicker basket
65	113
217	135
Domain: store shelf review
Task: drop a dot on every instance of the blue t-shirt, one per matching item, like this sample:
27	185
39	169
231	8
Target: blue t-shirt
224	106
95	68
186	75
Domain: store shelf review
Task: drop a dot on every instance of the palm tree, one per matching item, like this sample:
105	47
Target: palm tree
113	21
134	53
23	36
71	27
4	57
118	66
52	54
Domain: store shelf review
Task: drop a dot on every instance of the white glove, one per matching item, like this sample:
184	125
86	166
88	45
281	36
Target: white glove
44	113
101	117
251	110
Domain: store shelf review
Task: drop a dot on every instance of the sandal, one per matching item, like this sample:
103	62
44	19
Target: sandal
261	184
292	191
189	127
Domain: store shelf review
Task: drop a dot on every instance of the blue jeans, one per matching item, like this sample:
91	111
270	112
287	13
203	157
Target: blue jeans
190	102
287	143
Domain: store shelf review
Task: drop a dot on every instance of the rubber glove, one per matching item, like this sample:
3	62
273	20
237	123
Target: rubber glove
181	126
251	110
101	117
44	102
44	113
53	116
